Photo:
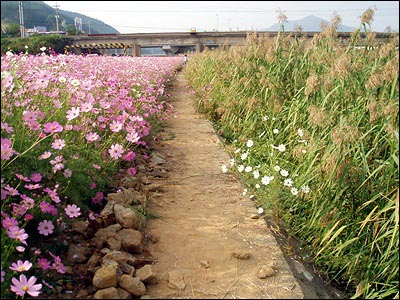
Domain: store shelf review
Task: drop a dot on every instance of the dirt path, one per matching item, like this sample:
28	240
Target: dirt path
207	231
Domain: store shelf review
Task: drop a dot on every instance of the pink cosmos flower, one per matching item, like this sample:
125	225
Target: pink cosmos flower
19	234
32	186
21	266
11	191
27	201
116	151
52	127
6	149
73	113
99	196
132	137
45	155
22	177
9	222
86	107
43	263
23	285
46	227
115	126
92	136
131	171
36	177
2	274
53	194
67	173
58	144
72	211
20	248
57	265
129	156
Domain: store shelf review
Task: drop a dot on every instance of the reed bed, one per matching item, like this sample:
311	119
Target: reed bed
312	128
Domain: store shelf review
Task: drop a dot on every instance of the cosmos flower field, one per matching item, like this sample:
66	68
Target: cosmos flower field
68	123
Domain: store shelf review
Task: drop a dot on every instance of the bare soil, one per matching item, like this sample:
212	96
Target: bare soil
206	232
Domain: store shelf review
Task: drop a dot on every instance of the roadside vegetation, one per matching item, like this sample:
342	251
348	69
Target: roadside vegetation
312	127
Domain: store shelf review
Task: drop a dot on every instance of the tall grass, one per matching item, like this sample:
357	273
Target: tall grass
326	113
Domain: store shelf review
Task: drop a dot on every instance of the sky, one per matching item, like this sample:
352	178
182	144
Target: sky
180	16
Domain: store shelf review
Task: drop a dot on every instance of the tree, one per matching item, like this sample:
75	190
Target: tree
72	30
11	30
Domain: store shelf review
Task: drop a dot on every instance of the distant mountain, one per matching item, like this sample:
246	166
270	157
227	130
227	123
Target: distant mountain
38	13
309	23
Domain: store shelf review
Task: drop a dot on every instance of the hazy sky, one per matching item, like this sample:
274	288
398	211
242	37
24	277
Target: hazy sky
173	16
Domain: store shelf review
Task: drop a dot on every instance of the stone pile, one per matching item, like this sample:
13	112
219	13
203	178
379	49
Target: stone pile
112	249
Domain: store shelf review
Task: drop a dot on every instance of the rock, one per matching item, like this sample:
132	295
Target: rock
77	254
80	227
131	240
121	257
107	214
241	255
123	294
108	293
146	274
128	269
130	182
157	158
107	237
266	271
205	264
105	277
126	217
176	280
94	262
125	197
133	285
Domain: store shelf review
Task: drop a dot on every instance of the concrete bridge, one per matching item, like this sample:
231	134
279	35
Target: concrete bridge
172	43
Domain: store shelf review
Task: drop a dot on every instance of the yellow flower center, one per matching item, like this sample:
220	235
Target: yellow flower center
25	288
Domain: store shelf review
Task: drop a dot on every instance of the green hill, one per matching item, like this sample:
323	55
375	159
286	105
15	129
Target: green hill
38	13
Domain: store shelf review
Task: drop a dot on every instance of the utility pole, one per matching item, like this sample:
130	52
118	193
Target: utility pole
89	26
21	18
57	16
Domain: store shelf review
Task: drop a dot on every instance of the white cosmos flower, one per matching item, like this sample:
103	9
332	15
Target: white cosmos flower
248	169
250	143
256	174
288	182
260	210
265	180
257	186
240	168
244	192
275	131
237	150
277	168
75	82
244	155
232	162
224	169
305	189
282	148
294	191
284	173
265	118
304	151
300	132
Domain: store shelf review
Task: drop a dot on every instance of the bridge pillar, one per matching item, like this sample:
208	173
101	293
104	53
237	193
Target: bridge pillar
136	50
199	47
